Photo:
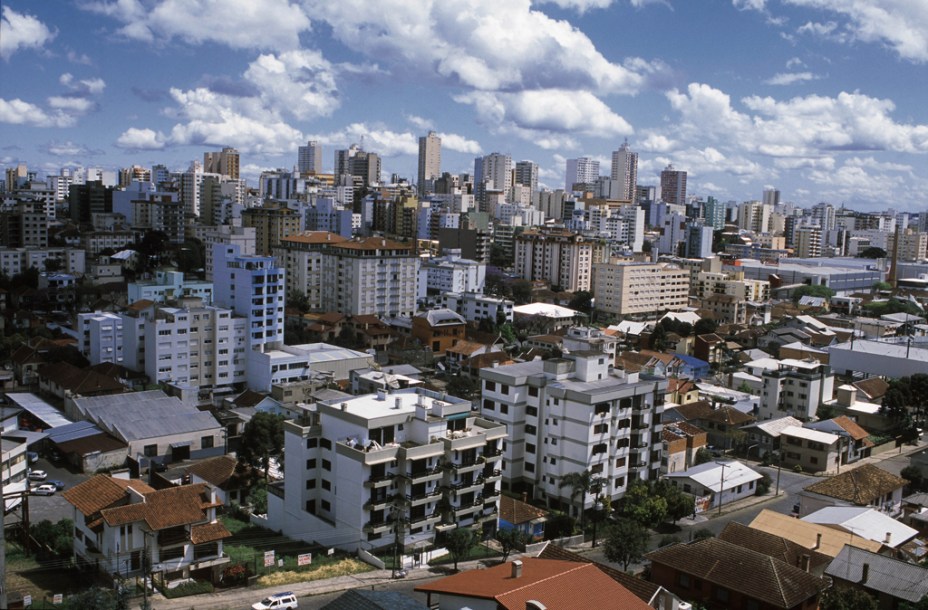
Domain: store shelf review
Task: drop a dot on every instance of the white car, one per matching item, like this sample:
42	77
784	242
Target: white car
277	601
44	490
37	475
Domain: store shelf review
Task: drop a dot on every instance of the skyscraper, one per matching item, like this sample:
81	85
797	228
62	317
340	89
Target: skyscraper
673	186
309	160
527	174
492	172
224	162
581	171
625	171
429	162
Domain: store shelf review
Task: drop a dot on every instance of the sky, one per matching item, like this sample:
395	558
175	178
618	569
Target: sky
824	100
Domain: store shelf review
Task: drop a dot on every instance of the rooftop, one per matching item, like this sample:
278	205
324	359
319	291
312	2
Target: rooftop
893	577
812	536
860	486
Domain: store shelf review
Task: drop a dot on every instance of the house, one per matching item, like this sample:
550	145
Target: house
711	348
763	437
872	389
866	414
438	329
722	424
62	379
716	483
551	583
856	443
229	478
655	596
681	441
522	516
891	581
724	576
865	485
866	523
456	355
775	546
812	536
546	317
681	391
123	525
367	380
85	446
810	450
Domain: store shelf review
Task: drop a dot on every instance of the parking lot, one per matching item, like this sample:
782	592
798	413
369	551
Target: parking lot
53	507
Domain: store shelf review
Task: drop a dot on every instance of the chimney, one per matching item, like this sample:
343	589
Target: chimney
517	568
818	542
889	538
864	573
344	406
804	562
525	497
381	394
398	403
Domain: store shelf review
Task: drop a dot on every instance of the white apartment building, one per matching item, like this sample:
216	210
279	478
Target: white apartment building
14	261
795	388
571	414
99	336
557	256
624	288
709	283
451	273
292	363
168	286
253	287
364	276
243	237
387	468
475	306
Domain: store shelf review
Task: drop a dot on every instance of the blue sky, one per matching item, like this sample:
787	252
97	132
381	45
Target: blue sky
823	99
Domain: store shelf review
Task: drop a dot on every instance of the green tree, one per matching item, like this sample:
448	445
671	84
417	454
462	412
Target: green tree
845	598
643	504
872	252
702	456
459	543
705	326
299	301
703	533
812	291
679	504
896	401
262	438
763	486
659	338
921	604
56	538
521	292
509	539
582	301
581	484
464	387
626	541
913	475
257	499
499	257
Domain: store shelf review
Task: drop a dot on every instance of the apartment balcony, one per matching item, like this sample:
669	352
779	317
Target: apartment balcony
423	498
464	487
466	466
378	527
369	455
492	453
423	476
426	519
491	476
380	480
379	503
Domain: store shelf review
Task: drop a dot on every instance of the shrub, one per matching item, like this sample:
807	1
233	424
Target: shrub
797	468
189	588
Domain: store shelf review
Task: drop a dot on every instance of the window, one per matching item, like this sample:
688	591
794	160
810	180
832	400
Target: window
326	505
529	467
326	464
683	580
150	450
530	429
326	444
620	462
721	594
310	463
206	442
326	485
312	443
600	428
504	388
554	461
600	448
490	386
531	411
488	405
532	391
503	407
529	448
596	468
310	483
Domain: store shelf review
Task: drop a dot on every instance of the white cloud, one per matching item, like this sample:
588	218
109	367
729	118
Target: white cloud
69	149
657	143
301	81
788	78
487	45
901	25
795	62
21	31
141	139
72	105
379	139
239	24
744	5
88	86
18	112
79	58
581	6
420	122
459	143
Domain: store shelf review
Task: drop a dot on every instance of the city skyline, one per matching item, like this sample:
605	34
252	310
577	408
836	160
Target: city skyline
821	99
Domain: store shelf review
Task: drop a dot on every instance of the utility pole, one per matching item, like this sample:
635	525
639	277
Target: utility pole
145	605
722	484
3	603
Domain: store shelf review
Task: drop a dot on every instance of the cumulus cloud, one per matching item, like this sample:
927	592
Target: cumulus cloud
88	86
582	6
901	25
69	149
18	112
21	31
141	139
459	143
377	138
245	24
789	78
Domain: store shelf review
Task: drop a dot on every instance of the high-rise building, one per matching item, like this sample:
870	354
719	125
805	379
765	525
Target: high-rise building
558	256
625	171
771	197
580	171
491	173
309	158
673	186
714	213
272	224
224	162
640	288
572	415
754	216
429	162
808	242
89	198
527	174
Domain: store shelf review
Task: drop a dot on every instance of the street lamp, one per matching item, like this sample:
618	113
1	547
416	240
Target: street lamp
722	483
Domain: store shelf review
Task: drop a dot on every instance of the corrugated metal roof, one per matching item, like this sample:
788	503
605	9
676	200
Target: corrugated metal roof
74	431
887	575
144	415
39	409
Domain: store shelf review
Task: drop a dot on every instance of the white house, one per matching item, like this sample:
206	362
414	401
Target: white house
717	482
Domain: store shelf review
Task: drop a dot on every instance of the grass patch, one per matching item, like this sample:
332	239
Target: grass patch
249	543
481	551
26	575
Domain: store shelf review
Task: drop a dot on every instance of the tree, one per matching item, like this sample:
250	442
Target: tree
644	504
659	338
763	486
57	538
841	598
896	401
459	542
913	475
262	438
96	598
582	301
882	287
299	301
872	252
626	541
702	456
812	291
509	539
464	387
521	292
702	534
679	504
581	483
257	499
705	326
499	257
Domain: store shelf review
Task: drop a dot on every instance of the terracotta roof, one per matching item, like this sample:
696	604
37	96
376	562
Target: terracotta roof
465	348
248	398
556	584
665	358
208	532
25	354
736	568
851	427
224	472
164	508
101	491
79	381
481	361
517	512
315	237
807	534
874	387
725	414
859	486
140	305
372	243
772	545
641	588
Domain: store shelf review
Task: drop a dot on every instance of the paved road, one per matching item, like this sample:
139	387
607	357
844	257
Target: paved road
53	507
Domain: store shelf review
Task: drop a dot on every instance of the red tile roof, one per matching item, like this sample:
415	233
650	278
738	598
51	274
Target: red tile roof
518	512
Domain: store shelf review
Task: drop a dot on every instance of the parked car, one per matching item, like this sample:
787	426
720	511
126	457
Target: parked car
37	475
59	485
277	601
44	490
